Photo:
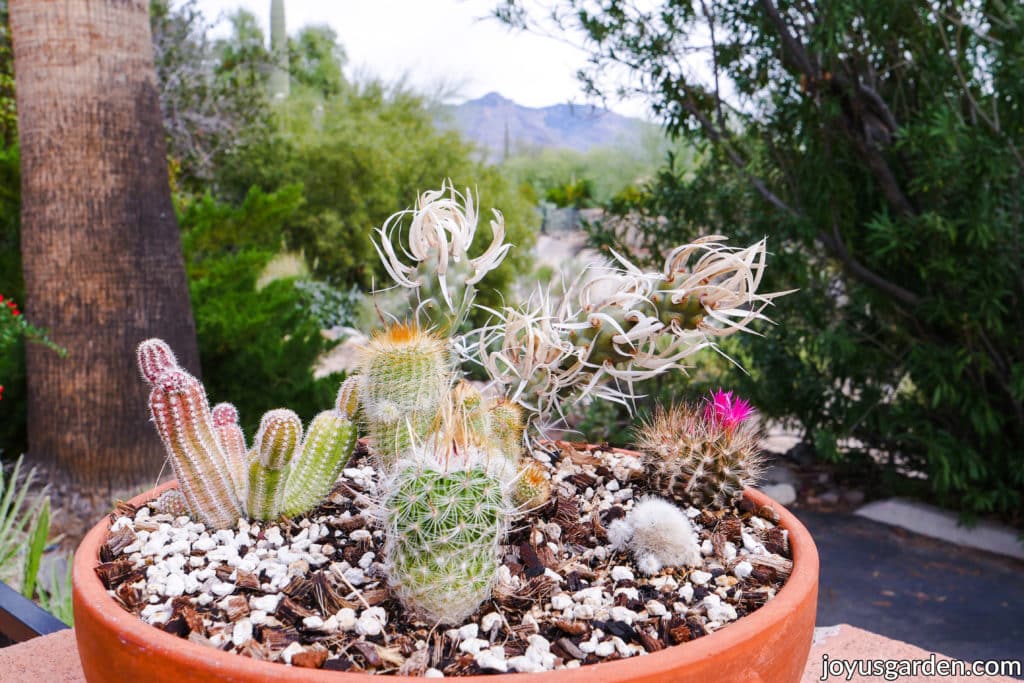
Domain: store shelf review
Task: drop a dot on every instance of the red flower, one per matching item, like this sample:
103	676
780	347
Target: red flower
1	392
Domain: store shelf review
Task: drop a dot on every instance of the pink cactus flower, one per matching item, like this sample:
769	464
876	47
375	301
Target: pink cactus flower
727	411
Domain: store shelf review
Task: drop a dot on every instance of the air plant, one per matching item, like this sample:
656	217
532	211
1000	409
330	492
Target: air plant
437	269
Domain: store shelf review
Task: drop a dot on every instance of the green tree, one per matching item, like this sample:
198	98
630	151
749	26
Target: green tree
879	144
316	59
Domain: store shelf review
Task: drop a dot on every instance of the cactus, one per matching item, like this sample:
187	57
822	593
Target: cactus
532	486
348	397
170	502
702	455
325	452
659	534
404	375
443	534
232	442
506	426
276	442
182	416
470	416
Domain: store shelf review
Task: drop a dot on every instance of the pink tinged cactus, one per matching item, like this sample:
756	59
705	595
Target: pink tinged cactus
232	442
183	419
276	441
726	411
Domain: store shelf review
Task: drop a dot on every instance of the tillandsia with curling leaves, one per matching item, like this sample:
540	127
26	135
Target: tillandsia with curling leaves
14	325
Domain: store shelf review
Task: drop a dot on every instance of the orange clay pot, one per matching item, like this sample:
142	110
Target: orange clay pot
770	645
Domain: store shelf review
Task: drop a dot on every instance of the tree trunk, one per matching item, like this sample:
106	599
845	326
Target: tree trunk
99	240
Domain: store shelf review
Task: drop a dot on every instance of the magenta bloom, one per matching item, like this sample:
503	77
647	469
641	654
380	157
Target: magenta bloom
727	411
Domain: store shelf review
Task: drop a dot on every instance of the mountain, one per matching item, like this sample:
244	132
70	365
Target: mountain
489	119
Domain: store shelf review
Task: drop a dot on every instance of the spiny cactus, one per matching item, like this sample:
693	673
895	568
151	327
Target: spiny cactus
217	479
705	455
325	452
276	441
182	416
506	426
404	374
532	486
659	534
232	442
443	534
170	502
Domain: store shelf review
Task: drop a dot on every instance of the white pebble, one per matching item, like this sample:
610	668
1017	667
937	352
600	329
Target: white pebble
175	585
623	614
473	645
290	652
655	608
313	623
355	576
367	626
743	569
360	535
604	649
346	619
366	560
468	631
266	603
717	610
432	673
241	633
706	548
490	620
620	573
223	589
560	601
699	577
486	660
686	592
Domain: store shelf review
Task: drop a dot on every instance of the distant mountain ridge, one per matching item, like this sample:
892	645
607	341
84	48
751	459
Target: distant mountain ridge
495	122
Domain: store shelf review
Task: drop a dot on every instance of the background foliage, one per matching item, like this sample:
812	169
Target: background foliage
879	145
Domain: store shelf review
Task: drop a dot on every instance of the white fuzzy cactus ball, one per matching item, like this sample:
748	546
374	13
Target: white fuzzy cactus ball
658	534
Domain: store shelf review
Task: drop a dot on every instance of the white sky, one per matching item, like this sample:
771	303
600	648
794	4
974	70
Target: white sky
433	42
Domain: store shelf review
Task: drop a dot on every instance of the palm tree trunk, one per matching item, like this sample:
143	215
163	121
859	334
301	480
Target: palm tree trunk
100	245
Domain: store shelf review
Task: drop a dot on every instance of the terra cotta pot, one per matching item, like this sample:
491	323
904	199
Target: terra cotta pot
770	645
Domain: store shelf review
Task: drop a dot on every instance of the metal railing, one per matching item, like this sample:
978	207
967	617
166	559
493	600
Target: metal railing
21	619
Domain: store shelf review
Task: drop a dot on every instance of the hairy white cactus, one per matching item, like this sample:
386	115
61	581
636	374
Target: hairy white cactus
658	534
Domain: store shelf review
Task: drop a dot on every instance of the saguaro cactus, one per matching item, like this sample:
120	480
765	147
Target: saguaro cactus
276	441
182	416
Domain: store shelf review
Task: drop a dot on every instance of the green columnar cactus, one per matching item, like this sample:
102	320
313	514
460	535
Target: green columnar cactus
404	375
325	452
443	534
232	442
276	442
182	416
704	456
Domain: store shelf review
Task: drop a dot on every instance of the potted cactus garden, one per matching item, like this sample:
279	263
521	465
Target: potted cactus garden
453	538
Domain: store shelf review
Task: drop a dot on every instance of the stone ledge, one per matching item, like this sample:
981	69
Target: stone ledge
54	658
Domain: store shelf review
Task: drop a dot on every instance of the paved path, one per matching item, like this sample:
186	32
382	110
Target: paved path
939	596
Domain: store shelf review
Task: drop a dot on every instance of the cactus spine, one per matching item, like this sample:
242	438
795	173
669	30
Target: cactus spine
443	534
182	416
325	452
702	454
276	441
404	375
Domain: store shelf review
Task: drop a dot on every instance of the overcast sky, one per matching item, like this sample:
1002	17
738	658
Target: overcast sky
439	41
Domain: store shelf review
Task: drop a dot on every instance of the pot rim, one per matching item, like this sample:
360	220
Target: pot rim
89	594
